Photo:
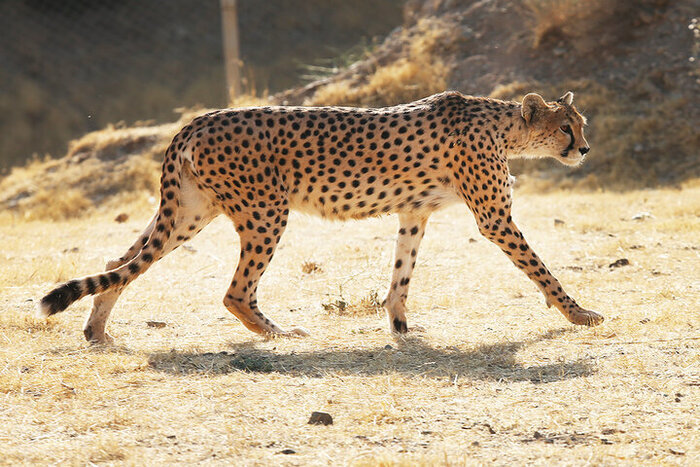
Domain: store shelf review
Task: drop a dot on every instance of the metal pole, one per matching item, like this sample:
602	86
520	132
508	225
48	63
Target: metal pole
229	28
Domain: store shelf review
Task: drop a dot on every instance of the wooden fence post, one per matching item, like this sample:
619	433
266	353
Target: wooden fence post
229	29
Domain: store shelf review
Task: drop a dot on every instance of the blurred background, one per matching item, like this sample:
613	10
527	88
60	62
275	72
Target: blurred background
92	90
72	66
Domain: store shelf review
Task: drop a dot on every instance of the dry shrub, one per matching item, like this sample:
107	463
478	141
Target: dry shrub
416	74
367	305
115	165
56	204
588	24
310	267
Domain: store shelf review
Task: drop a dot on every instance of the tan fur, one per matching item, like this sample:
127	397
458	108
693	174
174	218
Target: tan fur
254	165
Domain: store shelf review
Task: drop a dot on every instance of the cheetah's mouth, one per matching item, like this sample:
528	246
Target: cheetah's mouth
571	161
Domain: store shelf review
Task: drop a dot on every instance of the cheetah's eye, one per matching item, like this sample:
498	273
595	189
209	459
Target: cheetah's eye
566	129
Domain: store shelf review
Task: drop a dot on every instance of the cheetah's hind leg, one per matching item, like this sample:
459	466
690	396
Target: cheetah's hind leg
196	211
258	244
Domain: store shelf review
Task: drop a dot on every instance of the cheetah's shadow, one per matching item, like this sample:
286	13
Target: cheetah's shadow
411	356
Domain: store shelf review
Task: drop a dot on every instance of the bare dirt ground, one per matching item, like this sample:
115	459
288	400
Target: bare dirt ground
493	377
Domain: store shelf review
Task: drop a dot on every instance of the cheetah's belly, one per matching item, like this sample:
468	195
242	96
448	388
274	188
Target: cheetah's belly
370	201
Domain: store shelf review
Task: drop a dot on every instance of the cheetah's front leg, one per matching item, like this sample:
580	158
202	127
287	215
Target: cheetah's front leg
411	230
504	233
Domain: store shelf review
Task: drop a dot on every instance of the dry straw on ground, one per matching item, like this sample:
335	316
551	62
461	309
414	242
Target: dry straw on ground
494	377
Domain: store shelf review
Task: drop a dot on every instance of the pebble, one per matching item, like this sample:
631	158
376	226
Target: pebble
320	418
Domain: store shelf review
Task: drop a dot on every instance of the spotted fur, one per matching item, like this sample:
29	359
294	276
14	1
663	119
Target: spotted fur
255	164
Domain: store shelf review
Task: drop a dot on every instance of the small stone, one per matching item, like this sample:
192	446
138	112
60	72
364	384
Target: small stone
677	452
559	222
619	263
287	451
640	216
388	347
121	218
320	418
156	324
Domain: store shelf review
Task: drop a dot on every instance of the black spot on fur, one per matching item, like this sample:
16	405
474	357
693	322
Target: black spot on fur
114	277
90	286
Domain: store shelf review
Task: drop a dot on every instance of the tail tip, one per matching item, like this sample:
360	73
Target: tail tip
43	310
58	299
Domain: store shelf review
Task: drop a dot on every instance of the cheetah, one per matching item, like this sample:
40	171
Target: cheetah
256	164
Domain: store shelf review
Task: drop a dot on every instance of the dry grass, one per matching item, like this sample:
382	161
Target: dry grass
113	166
415	74
495	378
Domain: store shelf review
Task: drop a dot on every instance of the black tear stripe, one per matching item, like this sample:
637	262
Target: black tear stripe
569	132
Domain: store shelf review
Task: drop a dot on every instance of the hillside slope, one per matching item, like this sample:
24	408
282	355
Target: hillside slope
632	65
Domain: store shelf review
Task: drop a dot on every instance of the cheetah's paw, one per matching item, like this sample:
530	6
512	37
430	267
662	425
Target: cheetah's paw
586	317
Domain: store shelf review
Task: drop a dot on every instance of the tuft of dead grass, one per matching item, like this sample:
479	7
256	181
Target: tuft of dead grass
416	74
369	304
310	267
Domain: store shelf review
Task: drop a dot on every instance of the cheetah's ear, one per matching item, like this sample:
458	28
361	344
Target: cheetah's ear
567	98
532	103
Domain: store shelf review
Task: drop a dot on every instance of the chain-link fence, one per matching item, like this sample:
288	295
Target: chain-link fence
71	66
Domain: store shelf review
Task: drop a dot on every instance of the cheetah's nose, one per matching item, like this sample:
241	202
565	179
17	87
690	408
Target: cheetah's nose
584	150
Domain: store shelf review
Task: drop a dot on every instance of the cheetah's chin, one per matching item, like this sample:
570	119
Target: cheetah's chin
571	162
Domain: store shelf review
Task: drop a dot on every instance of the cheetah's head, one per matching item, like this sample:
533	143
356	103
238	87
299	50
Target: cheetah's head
555	129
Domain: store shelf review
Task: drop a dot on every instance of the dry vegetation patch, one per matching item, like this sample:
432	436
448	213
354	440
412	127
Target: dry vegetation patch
416	73
494	377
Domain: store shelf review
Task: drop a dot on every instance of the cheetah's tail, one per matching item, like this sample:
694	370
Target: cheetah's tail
62	296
